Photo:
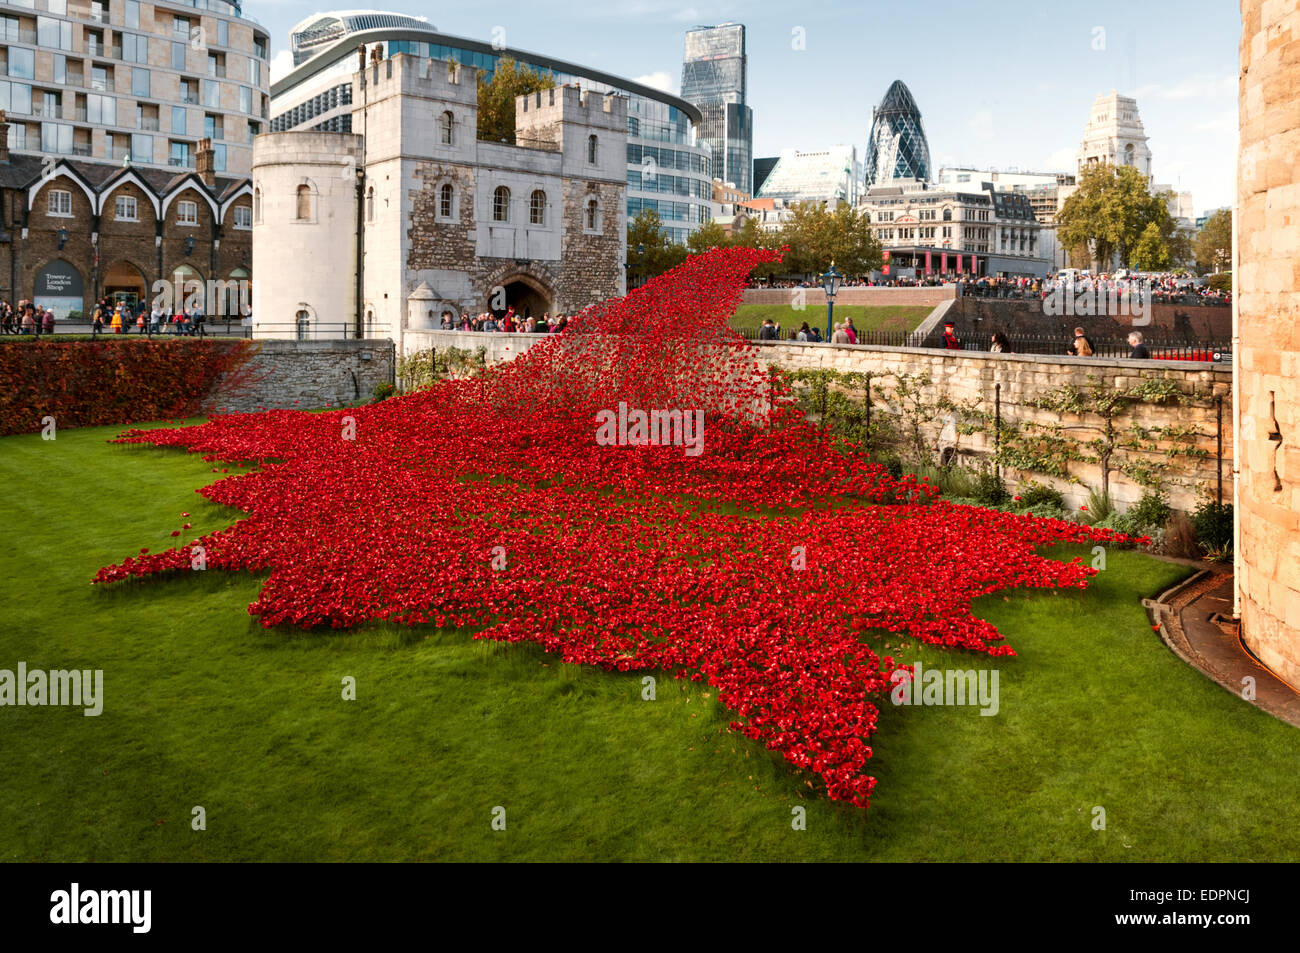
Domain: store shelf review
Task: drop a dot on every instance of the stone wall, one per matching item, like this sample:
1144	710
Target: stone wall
970	378
304	375
1267	353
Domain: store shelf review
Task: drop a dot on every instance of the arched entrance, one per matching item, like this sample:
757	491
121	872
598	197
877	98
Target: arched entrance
188	289
124	282
525	294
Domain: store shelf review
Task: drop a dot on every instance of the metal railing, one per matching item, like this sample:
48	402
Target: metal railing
1160	346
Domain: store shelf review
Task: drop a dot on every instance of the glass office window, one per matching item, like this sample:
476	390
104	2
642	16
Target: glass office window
133	14
178	120
212	94
21	63
178	56
140	81
141	148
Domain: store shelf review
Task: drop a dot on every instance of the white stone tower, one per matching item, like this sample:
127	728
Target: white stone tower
1115	135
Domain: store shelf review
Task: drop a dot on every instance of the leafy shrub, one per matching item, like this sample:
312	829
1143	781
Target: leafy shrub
891	463
1213	525
1151	512
988	488
383	391
1037	495
1221	281
1099	506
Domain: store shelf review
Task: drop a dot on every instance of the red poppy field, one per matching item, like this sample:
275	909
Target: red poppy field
771	566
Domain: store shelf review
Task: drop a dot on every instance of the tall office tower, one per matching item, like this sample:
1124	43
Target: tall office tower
897	147
713	79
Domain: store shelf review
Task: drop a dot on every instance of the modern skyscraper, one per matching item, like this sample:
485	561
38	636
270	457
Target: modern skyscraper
830	176
897	147
714	80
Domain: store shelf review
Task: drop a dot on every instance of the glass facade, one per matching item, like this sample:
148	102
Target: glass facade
897	147
713	78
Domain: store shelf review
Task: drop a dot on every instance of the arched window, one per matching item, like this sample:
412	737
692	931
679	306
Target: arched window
304	203
445	201
593	215
370	204
537	208
303	325
501	204
947	215
591	150
446	123
257	205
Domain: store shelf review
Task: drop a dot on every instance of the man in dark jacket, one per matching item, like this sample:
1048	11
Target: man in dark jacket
1139	351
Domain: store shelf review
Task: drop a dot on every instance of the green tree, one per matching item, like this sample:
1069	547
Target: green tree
1152	252
818	236
709	235
750	234
1110	212
650	252
1214	242
496	98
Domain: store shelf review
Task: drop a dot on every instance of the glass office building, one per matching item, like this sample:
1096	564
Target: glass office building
668	170
897	147
714	79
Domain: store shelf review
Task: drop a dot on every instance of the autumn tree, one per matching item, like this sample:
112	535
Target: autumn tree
818	236
496	97
1214	242
1109	214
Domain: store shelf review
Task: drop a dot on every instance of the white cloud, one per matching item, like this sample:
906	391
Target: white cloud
657	80
1064	159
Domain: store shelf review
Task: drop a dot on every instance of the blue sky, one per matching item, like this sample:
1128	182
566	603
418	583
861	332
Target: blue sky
1005	84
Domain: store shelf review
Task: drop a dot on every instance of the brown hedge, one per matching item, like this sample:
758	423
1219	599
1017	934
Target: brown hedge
93	383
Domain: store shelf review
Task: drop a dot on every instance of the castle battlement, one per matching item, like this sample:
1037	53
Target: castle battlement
574	105
421	77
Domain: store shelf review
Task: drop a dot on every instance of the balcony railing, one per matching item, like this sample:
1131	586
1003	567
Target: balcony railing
147	123
217	71
96	47
82	150
189	99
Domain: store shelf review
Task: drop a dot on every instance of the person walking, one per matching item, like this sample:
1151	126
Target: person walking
850	331
1139	349
999	344
840	336
1081	346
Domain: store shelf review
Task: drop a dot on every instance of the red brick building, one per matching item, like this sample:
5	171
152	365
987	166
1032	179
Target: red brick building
73	231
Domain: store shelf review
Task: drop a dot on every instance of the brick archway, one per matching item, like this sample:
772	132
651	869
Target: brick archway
525	292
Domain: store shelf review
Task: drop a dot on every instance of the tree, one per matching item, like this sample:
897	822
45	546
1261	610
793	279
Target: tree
750	234
1214	242
650	252
709	235
1110	212
496	98
817	237
1152	251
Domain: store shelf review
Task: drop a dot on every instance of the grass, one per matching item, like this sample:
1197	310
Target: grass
865	317
204	707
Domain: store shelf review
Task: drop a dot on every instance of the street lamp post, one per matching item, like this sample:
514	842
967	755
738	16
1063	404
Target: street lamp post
831	282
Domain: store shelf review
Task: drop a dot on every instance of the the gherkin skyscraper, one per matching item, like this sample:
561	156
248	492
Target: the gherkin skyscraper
897	148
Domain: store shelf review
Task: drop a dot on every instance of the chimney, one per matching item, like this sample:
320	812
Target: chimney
4	137
203	163
361	57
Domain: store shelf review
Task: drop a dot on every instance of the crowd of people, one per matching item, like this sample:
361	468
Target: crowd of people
25	318
1164	287
119	317
508	322
1080	346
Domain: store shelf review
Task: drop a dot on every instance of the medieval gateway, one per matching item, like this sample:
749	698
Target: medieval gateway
431	218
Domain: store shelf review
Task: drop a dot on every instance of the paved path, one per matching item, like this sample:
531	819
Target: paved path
1196	622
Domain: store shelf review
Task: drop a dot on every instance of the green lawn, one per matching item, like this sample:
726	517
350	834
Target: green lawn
865	317
204	707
